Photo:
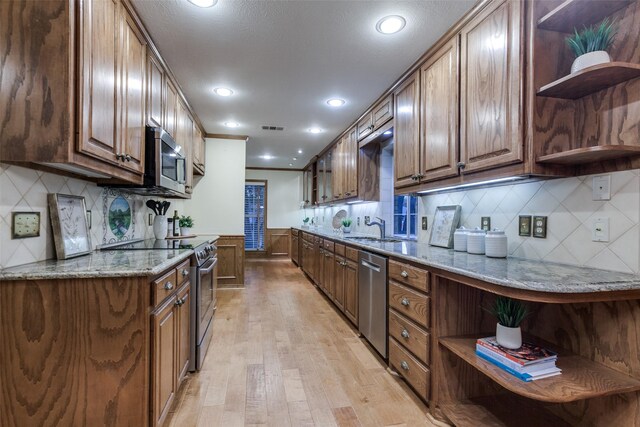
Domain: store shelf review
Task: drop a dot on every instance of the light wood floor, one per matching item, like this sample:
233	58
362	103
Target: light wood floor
281	355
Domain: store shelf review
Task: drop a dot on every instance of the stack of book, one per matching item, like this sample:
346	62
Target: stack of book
529	363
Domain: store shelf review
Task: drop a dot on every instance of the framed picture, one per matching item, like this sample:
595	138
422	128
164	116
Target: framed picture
69	222
444	225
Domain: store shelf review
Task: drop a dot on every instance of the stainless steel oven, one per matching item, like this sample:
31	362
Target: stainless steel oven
205	286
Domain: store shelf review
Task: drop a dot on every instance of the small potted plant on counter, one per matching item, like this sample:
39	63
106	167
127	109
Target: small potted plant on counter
510	314
346	225
186	222
591	44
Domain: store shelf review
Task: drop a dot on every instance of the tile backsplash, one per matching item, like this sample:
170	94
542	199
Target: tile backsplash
23	189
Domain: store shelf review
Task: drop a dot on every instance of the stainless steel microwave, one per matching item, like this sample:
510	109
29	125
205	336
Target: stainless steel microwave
165	163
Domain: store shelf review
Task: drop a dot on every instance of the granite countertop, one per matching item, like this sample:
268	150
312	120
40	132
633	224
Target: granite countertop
512	272
102	263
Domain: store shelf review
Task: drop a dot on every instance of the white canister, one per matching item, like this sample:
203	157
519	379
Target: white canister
460	240
496	244
160	226
475	241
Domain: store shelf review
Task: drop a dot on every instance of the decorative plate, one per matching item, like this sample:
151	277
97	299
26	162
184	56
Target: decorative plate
338	217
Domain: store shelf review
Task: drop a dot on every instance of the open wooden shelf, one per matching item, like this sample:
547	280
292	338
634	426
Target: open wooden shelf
590	80
581	378
498	411
575	13
580	156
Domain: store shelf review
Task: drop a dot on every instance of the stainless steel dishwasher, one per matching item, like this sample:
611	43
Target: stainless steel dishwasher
372	299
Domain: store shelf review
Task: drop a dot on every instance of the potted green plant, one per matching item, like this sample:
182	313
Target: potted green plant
305	222
185	222
346	225
591	44
510	314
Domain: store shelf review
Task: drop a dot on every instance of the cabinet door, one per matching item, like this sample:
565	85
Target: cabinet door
406	147
132	94
164	360
382	113
155	91
328	276
98	85
338	281
183	310
351	291
439	114
337	170
491	87
365	127
294	249
327	178
171	108
185	139
351	171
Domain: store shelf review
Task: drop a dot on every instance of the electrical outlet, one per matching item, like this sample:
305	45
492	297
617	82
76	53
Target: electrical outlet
367	219
540	227
150	219
601	187
424	222
524	227
485	223
600	230
357	220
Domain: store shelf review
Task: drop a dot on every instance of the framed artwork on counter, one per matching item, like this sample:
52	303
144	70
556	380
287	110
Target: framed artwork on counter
70	228
444	225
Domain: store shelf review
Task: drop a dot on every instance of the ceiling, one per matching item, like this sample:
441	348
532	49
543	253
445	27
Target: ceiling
284	59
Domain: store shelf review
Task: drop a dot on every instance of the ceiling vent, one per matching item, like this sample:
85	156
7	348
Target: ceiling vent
265	127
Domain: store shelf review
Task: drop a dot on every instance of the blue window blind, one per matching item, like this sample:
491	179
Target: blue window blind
405	216
254	209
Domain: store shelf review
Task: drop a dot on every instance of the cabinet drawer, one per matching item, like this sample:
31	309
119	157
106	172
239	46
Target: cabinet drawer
352	254
409	275
410	303
339	249
317	240
294	232
416	374
164	286
410	336
183	272
328	245
365	126
383	112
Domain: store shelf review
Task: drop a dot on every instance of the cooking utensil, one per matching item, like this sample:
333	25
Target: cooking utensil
151	204
159	207
165	207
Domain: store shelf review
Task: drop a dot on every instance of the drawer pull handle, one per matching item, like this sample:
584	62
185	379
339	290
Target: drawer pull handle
405	334
404	365
168	286
404	274
405	302
185	272
179	302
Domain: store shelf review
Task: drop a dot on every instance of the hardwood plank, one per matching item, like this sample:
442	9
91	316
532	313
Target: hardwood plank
346	417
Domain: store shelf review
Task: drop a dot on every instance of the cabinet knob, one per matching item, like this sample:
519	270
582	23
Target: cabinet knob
185	272
405	302
179	302
461	165
168	286
404	274
405	334
404	365
119	156
127	157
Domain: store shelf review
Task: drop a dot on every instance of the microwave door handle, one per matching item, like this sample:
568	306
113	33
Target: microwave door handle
182	177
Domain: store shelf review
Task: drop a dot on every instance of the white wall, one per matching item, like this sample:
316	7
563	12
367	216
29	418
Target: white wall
284	194
217	202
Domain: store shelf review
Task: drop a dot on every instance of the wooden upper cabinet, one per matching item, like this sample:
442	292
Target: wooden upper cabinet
338	170
184	137
382	113
155	91
171	109
439	114
132	95
491	90
351	167
365	126
198	150
406	148
98	80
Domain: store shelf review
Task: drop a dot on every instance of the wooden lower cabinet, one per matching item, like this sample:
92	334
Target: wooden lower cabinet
338	281
351	291
328	266
295	249
164	360
184	331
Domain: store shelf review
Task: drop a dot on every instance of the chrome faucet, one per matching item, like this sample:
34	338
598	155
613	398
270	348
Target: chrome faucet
381	225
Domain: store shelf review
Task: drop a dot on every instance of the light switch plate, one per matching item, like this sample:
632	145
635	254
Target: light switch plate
524	225
485	223
424	222
600	230
540	227
25	224
366	220
150	219
358	221
601	187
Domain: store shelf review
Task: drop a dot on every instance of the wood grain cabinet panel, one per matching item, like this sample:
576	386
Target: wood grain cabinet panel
410	335
171	109
410	303
278	242
155	91
365	127
351	291
491	87
339	264
406	148
165	383
230	261
183	332
328	266
416	374
350	178
382	113
409	275
439	114
295	249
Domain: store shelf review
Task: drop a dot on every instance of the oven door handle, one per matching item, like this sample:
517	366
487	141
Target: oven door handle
206	270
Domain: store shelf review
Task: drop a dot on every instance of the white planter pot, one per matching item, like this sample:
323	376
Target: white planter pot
346	229
509	337
185	231
160	226
590	59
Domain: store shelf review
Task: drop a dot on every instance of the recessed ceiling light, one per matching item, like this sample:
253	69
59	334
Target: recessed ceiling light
295	158
299	151
223	91
390	24
290	164
267	157
335	102
314	130
232	124
203	3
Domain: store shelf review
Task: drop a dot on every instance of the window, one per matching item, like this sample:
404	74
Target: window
405	216
254	213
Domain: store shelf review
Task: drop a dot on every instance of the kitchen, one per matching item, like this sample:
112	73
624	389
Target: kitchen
326	156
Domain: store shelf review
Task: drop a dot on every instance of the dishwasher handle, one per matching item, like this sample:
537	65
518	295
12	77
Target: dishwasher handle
370	265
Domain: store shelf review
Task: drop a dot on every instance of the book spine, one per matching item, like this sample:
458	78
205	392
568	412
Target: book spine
500	352
523	377
499	358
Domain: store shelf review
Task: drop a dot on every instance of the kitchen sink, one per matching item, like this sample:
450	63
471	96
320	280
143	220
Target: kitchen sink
373	239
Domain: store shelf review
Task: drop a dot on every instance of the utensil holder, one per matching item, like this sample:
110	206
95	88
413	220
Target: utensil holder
160	227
